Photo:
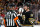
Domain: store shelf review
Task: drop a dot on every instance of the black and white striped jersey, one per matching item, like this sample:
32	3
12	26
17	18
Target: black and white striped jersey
10	19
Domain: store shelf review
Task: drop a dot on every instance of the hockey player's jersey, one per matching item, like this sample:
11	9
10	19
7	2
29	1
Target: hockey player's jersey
28	16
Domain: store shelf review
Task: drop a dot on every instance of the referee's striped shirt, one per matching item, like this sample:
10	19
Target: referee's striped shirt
9	18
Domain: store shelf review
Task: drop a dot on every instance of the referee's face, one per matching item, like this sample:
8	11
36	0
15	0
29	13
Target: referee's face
25	7
13	8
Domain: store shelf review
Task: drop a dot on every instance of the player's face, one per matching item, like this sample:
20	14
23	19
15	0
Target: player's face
25	7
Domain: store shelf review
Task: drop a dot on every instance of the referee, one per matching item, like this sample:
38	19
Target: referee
11	19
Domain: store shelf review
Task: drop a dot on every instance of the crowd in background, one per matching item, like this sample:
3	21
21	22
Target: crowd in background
5	5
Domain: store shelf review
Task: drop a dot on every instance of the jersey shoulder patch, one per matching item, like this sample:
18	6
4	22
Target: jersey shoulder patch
31	15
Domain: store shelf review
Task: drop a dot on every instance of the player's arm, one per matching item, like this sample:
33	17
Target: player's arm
16	19
31	18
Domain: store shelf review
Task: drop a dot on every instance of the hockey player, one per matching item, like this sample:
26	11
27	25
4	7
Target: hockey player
27	14
1	19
